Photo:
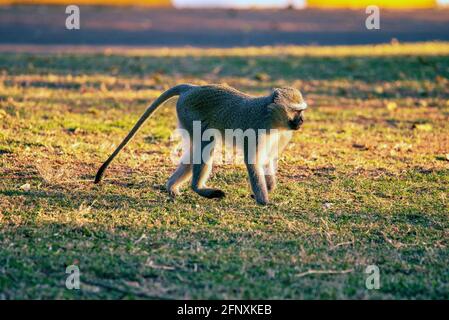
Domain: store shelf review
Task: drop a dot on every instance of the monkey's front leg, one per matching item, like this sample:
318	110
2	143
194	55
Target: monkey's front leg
270	174
258	183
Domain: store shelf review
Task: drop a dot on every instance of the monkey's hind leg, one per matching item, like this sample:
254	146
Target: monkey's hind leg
201	172
182	173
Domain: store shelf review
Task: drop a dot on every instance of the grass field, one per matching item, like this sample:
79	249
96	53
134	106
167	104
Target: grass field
365	181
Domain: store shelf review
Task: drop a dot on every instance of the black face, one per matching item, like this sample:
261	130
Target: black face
296	122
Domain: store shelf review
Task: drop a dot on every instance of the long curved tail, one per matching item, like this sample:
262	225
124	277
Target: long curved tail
175	91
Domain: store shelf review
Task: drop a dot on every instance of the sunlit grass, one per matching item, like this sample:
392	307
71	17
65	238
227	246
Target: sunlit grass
396	49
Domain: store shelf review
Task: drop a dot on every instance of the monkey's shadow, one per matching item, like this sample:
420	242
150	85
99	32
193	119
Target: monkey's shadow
73	200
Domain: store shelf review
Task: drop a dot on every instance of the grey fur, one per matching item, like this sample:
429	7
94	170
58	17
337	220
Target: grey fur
221	107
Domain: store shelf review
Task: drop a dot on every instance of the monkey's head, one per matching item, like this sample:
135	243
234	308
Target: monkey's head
287	109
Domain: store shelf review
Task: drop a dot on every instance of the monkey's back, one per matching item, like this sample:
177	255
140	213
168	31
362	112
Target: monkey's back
218	106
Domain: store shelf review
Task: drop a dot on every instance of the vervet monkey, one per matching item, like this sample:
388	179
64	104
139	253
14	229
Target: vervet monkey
221	108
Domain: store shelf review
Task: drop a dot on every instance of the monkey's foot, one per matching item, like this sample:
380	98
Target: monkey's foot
173	192
261	201
210	193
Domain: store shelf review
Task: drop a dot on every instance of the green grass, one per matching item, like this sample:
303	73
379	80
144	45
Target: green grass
364	182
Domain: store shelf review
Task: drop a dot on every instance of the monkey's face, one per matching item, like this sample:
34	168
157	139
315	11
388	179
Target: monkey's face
296	120
287	109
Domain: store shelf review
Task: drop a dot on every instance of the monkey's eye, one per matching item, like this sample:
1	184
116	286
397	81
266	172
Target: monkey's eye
299	114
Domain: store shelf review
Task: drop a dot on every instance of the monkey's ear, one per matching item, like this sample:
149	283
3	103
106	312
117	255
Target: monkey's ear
276	95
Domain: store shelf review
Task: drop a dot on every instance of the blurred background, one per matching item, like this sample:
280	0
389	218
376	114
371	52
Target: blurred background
247	3
222	23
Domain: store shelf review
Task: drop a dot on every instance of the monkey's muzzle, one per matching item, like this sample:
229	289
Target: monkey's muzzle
296	122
